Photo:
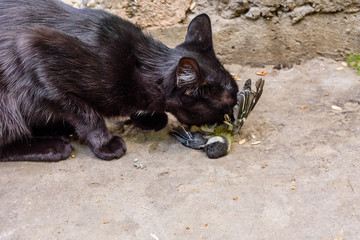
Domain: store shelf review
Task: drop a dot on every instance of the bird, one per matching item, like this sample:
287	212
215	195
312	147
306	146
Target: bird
216	139
215	145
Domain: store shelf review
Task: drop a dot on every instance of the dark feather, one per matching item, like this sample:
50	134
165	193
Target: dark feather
195	140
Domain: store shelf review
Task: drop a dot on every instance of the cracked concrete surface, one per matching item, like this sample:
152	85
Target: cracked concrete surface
300	182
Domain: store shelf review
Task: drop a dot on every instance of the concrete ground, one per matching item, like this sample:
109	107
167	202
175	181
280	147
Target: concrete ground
300	182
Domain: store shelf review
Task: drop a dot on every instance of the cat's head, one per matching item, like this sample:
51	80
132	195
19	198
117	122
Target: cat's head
204	90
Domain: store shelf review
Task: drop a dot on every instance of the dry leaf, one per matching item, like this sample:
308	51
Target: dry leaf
235	198
235	77
242	141
303	107
261	73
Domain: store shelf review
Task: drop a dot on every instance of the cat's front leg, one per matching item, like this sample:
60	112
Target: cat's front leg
90	127
149	121
106	146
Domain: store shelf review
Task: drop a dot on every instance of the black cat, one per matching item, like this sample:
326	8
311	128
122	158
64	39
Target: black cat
65	68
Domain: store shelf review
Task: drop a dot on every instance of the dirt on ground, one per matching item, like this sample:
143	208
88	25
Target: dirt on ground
300	182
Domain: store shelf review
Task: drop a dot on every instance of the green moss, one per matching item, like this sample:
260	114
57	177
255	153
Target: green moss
353	61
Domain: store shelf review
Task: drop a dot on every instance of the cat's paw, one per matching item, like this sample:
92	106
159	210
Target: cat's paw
150	121
38	149
114	149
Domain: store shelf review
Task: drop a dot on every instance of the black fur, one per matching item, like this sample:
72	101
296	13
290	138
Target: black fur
63	65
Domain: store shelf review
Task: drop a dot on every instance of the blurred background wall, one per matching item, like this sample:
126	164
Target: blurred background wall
251	32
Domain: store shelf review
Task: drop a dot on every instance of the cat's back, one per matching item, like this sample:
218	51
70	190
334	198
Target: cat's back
92	26
17	11
16	15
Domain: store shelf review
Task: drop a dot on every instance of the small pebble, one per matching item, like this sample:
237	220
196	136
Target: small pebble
138	165
336	107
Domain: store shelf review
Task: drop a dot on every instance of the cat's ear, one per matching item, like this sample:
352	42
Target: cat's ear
199	32
188	76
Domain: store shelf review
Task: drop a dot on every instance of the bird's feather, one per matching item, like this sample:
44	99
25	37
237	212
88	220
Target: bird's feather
195	140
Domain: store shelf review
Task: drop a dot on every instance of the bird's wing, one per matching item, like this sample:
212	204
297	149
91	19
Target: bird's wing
246	101
194	140
259	90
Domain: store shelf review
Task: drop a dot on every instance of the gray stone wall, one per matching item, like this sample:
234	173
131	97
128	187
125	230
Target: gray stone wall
283	31
253	32
296	10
